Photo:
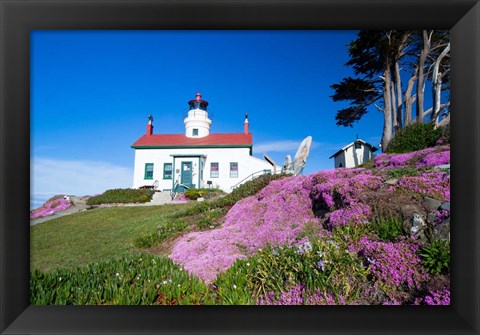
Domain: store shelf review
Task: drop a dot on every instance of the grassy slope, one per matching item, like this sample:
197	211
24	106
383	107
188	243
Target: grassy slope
104	233
93	236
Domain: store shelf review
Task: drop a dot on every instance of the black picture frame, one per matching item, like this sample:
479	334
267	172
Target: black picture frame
19	17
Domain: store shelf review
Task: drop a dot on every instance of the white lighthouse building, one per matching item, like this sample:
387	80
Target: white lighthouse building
196	158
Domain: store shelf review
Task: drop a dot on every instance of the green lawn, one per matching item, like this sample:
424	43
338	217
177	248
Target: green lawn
105	234
93	236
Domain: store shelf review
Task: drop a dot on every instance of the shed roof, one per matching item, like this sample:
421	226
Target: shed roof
372	148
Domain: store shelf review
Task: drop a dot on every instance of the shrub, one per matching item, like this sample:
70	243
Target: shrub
116	196
133	280
414	137
251	187
436	256
193	194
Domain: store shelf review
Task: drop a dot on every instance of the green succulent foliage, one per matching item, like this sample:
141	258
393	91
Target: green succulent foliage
436	256
163	232
387	229
416	136
120	196
317	265
133	280
207	221
400	172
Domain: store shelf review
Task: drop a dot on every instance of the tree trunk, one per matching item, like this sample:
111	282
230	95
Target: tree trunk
398	83
437	85
409	100
421	75
387	110
394	109
445	121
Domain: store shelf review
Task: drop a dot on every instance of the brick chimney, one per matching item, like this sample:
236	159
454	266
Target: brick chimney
150	125
245	124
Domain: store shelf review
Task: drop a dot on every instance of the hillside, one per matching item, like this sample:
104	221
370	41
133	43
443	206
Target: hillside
372	235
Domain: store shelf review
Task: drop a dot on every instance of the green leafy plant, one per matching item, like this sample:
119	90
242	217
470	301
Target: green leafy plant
163	232
119	195
400	172
436	256
387	229
132	280
193	193
208	219
317	265
414	137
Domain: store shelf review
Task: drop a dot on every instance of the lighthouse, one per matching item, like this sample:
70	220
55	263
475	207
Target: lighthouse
198	157
197	123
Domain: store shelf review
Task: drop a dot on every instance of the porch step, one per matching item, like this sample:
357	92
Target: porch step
160	198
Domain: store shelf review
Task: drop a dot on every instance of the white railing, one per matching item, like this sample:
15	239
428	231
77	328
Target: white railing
251	177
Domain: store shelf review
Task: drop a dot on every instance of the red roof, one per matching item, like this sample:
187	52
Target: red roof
180	140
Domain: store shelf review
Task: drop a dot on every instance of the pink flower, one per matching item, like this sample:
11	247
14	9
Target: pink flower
50	207
274	217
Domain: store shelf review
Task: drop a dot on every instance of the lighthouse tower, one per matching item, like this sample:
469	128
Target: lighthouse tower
197	123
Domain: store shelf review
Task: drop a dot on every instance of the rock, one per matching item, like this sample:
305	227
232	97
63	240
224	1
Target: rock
415	226
391	181
444	166
441	230
431	217
445	206
431	203
408	210
201	199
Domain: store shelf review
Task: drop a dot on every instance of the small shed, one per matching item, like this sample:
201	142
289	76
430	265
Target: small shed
353	154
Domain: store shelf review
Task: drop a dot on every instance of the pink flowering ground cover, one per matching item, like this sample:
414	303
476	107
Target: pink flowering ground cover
439	297
298	295
423	158
57	203
392	264
277	215
274	217
431	183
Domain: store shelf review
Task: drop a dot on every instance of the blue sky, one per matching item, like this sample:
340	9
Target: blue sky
91	93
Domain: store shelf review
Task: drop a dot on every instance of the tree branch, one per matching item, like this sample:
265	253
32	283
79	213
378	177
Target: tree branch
379	108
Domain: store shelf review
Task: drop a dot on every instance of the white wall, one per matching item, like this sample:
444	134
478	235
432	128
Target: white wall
197	119
353	157
246	165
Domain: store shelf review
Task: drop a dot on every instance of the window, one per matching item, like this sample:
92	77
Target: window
167	171
233	170
148	170
195	132
213	170
358	145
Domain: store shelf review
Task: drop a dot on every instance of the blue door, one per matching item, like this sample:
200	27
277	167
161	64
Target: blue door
186	176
